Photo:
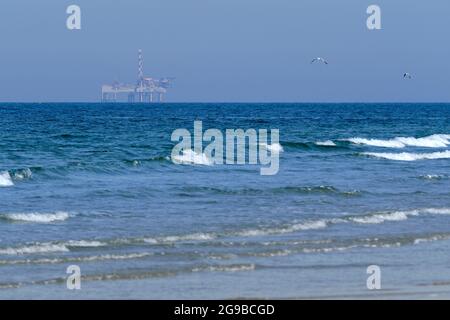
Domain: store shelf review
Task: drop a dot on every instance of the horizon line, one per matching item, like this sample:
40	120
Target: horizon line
223	102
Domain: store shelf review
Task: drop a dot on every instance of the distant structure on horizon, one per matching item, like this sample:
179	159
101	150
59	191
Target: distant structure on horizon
146	89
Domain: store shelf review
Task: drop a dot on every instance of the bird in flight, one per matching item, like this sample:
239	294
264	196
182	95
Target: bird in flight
407	75
319	59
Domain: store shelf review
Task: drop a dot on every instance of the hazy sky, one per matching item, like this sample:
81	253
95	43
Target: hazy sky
227	50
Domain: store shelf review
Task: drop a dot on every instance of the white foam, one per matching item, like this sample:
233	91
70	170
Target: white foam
327	143
374	218
398	215
187	237
377	143
38	217
50	247
116	256
276	147
36	248
406	156
382	217
422	240
191	157
77	259
431	239
226	268
278	253
5	179
84	243
437	210
310	225
319	224
327	250
433	141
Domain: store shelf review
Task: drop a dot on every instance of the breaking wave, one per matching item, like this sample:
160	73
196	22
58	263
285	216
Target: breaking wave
312	225
49	247
21	174
433	141
397	215
276	147
372	218
103	257
84	244
407	156
380	218
5	179
35	248
188	237
37	217
327	143
226	268
192	157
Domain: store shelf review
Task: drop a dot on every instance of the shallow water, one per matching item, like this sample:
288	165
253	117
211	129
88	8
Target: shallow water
93	185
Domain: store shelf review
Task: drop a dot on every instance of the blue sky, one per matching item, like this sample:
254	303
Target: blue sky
228	50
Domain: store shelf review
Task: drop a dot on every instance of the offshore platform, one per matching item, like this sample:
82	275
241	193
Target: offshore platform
146	90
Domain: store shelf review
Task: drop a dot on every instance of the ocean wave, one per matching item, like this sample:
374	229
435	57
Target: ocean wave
433	141
319	189
377	218
103	257
84	244
276	147
434	177
316	189
192	157
298	145
34	248
22	174
188	237
225	268
209	238
317	145
445	211
138	162
377	143
380	218
431	239
327	143
312	189
371	218
406	156
5	179
50	247
309	247
37	217
309	225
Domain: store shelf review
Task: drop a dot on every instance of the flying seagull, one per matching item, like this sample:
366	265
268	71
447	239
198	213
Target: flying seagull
319	59
407	76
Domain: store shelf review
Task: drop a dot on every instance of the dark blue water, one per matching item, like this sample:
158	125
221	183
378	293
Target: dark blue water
93	185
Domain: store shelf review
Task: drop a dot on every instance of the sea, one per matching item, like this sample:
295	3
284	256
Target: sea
94	186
